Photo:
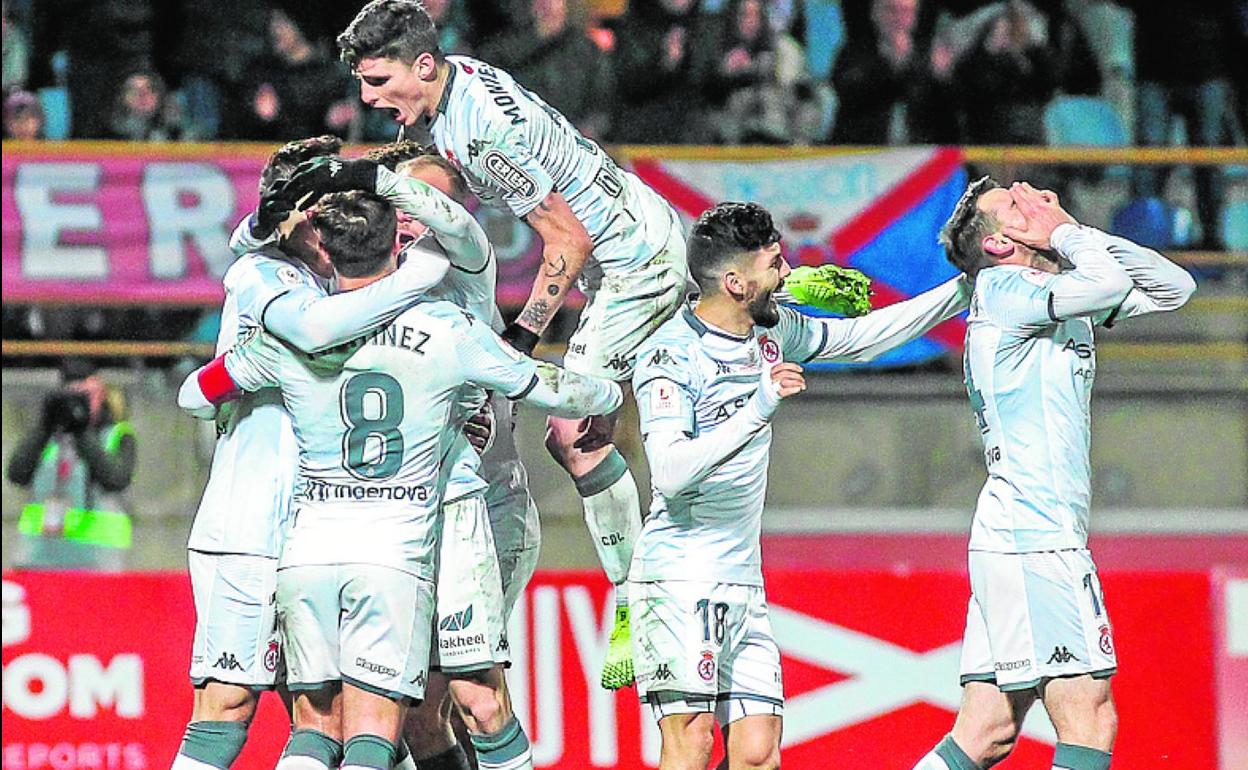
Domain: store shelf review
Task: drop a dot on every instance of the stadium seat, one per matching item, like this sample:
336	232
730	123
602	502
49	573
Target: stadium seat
1235	225
1147	221
1083	121
56	115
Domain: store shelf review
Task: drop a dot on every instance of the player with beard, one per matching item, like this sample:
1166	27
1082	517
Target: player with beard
708	383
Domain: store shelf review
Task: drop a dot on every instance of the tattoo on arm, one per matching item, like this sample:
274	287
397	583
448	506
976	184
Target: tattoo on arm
536	315
556	267
552	289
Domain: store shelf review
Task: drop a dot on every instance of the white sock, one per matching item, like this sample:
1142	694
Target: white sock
613	515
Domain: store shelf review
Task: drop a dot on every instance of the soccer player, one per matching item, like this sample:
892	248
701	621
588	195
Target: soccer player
708	383
237	532
354	587
600	226
1037	626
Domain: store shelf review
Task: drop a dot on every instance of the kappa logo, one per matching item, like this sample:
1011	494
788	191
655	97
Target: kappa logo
1061	655
228	662
706	666
620	362
419	680
456	621
508	175
335	166
503	644
271	656
660	357
475	148
663	673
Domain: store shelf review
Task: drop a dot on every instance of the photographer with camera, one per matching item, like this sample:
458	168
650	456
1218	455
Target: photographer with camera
76	463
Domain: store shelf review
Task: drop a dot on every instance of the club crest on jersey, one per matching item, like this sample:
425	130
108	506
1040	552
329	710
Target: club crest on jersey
706	666
288	275
271	656
1037	277
508	175
770	350
1107	640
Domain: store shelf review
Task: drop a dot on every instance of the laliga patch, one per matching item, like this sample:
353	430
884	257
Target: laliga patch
289	275
664	400
508	175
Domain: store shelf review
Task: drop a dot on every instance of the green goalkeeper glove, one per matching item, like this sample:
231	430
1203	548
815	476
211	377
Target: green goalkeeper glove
833	288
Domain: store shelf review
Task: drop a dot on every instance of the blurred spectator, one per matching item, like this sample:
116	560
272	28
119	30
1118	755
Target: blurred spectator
304	91
1194	85
104	41
216	54
1007	76
77	462
757	79
663	51
886	81
553	56
23	116
452	23
144	112
16	53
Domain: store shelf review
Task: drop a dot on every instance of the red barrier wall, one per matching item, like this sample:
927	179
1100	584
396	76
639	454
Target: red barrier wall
95	671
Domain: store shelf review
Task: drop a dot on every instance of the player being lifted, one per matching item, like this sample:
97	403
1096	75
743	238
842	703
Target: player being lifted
354	586
237	533
1037	626
708	383
600	226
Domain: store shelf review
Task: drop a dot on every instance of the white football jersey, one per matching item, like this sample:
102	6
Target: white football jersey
514	149
246	503
691	378
371	420
1029	378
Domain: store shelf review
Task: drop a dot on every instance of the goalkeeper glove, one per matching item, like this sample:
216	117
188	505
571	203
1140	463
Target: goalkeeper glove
833	288
329	174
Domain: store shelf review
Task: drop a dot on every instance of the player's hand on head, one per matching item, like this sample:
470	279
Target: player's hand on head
1042	213
275	207
330	173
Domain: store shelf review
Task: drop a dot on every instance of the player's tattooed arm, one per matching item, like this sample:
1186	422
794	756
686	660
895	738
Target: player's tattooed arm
566	247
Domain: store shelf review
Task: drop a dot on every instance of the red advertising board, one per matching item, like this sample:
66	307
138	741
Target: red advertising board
95	671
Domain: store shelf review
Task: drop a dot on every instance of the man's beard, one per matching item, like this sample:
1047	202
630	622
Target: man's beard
763	310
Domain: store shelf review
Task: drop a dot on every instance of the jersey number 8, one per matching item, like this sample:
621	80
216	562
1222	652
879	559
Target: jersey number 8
372	405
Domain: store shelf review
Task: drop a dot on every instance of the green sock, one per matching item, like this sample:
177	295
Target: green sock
214	743
315	745
953	755
509	747
370	751
1069	757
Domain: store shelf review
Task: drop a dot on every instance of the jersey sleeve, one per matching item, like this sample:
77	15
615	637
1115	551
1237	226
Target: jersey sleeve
255	362
459	234
491	363
801	337
506	162
258	281
666	384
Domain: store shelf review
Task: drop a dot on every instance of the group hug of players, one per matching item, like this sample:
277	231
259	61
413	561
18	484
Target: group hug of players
367	526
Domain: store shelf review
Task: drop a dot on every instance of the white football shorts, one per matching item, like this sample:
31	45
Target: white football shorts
1035	616
361	624
470	629
236	639
700	646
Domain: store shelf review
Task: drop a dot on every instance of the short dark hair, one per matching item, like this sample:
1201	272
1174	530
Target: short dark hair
389	29
963	234
722	234
282	164
357	230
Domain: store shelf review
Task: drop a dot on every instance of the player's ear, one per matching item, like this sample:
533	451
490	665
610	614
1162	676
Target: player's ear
998	246
733	284
426	67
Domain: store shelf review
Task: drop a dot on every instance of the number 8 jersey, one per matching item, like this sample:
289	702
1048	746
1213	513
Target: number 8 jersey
371	420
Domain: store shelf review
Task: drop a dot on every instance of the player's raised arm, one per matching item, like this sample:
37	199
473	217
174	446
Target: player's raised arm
864	338
1158	285
566	246
250	365
491	364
